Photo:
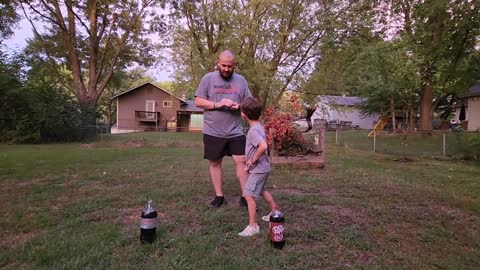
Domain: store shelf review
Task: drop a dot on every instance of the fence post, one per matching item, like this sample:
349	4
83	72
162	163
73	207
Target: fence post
444	146
374	141
336	135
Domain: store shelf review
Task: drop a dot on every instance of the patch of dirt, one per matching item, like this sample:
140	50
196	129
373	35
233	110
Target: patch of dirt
87	145
403	159
290	191
342	215
328	192
13	240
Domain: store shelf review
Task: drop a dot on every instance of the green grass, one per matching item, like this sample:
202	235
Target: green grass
417	144
77	206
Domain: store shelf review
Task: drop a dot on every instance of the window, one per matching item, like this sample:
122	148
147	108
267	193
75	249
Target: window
167	104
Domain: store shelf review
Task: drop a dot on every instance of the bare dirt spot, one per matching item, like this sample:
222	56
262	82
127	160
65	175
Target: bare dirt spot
290	191
328	192
342	215
13	240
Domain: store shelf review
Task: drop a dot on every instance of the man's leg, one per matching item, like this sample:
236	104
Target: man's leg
216	175
240	165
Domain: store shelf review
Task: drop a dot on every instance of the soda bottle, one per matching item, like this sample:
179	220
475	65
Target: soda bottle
148	224
277	229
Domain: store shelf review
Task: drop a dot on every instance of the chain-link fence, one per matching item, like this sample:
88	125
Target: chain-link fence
424	143
456	144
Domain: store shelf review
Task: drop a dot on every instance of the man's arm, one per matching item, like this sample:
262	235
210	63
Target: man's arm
205	103
210	105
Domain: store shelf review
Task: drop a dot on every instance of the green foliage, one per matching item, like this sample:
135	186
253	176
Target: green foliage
84	42
276	42
53	115
8	18
467	145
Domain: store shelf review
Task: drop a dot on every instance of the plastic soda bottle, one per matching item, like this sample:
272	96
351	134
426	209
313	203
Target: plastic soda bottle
277	229
148	224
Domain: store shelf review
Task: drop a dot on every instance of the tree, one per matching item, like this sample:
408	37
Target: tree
276	41
8	18
441	34
90	39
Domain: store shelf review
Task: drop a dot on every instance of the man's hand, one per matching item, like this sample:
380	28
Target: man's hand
225	102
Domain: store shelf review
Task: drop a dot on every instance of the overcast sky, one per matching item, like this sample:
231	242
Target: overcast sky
19	40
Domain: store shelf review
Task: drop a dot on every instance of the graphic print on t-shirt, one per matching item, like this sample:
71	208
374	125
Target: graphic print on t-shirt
225	88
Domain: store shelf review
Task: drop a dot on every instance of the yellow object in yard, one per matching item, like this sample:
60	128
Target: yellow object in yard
379	126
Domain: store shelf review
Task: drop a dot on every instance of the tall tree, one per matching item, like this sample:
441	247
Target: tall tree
89	39
276	41
441	35
8	18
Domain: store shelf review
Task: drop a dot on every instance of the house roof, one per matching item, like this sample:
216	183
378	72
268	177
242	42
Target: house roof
474	90
340	100
151	83
189	106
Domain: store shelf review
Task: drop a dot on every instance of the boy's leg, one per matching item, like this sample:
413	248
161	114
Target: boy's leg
269	199
252	209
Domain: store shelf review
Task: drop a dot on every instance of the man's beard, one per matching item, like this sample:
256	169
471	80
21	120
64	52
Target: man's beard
226	77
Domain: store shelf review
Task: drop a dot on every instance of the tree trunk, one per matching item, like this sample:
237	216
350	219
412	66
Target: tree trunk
392	112
426	104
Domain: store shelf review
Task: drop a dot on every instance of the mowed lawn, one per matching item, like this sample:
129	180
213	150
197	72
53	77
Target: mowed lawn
77	206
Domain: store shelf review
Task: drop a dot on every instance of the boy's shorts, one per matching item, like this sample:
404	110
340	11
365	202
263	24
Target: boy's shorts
255	184
216	148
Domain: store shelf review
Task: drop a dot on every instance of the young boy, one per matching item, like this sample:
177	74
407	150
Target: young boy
258	164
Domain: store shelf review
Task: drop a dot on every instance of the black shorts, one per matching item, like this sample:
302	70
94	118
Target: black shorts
216	148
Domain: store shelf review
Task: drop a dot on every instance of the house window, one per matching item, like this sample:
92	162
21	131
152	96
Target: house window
167	104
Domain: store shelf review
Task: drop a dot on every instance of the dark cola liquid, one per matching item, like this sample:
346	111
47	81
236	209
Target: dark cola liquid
277	232
148	227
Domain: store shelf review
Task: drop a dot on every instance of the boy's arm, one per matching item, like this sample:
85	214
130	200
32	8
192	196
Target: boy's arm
262	147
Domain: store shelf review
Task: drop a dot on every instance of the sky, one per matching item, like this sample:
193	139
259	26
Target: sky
18	41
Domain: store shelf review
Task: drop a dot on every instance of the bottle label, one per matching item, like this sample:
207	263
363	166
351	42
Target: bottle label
276	231
148	223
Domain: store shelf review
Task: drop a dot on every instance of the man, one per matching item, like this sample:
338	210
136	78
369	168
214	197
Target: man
219	94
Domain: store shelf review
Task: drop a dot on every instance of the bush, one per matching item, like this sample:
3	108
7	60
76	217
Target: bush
467	145
282	134
44	114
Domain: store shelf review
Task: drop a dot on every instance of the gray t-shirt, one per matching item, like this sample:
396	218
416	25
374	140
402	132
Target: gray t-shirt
255	135
223	123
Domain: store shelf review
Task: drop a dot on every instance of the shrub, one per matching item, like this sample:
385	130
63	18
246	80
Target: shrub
467	145
281	132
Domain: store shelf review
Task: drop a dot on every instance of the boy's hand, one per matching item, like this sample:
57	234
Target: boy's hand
250	165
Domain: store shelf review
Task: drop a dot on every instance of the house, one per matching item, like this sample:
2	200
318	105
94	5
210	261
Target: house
343	109
471	106
149	107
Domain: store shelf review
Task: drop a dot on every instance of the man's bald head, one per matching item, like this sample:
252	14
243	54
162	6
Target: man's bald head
226	64
226	54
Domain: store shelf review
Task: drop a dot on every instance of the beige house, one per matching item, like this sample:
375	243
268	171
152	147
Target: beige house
471	105
148	107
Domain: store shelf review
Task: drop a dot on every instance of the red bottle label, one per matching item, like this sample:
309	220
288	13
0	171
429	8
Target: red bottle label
276	231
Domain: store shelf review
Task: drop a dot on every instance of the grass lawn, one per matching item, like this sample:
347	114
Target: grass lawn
77	206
